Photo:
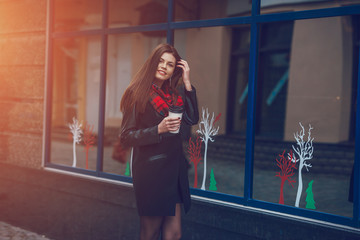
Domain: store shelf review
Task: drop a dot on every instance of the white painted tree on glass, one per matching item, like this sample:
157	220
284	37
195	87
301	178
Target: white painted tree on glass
75	129
207	131
304	150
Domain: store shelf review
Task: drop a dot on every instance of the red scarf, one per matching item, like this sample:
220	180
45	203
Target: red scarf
162	99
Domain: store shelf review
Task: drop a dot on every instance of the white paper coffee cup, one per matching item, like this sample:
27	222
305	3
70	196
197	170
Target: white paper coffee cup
175	112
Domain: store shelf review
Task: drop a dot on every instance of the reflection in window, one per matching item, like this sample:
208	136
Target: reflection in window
126	54
272	6
273	74
188	10
77	15
130	13
208	51
238	81
275	44
75	102
316	104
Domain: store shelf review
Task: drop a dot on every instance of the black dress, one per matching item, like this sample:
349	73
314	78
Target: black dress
160	170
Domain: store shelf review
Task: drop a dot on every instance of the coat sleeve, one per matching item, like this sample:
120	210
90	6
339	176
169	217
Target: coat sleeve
191	114
131	135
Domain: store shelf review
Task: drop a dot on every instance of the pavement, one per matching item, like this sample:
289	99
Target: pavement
9	232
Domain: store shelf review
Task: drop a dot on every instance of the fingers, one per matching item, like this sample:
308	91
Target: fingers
183	64
172	124
186	72
169	124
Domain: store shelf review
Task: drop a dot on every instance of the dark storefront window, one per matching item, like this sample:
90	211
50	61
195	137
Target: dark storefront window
238	81
269	77
274	51
309	161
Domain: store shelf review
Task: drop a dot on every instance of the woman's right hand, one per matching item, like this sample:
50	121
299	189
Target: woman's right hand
169	124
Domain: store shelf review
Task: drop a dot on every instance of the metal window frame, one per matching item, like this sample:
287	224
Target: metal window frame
254	20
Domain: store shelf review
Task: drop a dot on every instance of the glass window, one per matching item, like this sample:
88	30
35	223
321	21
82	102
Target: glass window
75	102
238	81
189	10
305	97
126	54
130	13
217	162
275	6
274	50
70	15
304	152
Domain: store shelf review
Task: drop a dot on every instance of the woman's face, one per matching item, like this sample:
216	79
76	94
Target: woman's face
166	67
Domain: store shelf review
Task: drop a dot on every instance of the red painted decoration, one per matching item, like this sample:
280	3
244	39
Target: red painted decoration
217	118
194	151
287	166
89	141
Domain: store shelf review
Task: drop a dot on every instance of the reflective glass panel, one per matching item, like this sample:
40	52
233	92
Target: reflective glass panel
126	54
218	58
276	6
130	13
70	15
189	10
75	102
305	118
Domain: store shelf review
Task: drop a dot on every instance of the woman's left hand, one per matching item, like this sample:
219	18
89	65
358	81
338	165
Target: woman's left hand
186	73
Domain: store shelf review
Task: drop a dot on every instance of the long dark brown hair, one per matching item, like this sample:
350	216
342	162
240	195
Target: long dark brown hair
137	93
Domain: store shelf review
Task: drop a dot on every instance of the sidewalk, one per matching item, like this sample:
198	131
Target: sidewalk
8	232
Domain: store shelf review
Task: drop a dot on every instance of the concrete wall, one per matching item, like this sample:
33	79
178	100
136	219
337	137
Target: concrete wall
22	71
61	206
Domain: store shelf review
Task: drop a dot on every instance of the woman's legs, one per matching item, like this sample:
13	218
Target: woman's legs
150	227
171	229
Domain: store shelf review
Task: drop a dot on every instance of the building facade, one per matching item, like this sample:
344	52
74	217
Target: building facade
277	79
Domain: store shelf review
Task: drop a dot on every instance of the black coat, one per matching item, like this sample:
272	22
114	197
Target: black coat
160	168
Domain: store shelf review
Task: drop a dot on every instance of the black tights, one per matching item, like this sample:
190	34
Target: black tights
169	226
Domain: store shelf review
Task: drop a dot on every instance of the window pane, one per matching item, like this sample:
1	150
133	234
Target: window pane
75	102
274	6
238	81
211	52
188	10
304	149
130	13
70	15
126	54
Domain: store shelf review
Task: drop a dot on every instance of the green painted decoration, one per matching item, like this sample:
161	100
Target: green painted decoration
127	170
310	203
212	181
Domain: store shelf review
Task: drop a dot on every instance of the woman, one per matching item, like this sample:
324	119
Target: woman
159	167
